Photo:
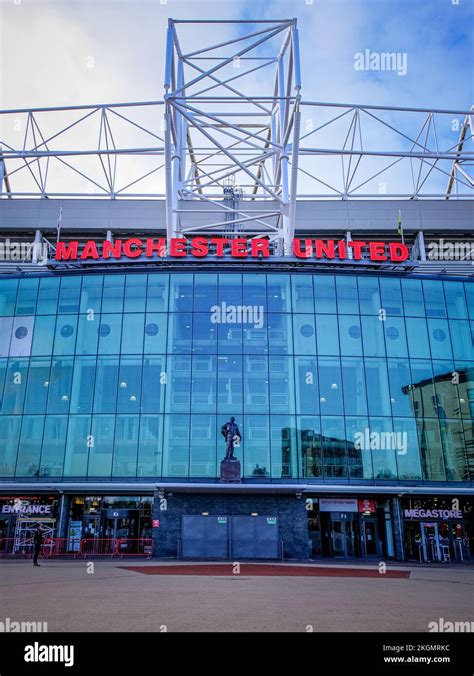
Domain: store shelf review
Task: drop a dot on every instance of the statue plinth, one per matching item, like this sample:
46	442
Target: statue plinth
230	471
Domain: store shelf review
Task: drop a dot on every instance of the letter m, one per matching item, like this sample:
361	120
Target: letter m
66	252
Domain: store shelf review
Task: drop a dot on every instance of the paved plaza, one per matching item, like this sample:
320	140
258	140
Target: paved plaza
70	597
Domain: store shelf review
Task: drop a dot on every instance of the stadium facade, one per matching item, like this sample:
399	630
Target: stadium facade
338	332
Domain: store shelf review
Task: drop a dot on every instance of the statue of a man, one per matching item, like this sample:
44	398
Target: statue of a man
230	431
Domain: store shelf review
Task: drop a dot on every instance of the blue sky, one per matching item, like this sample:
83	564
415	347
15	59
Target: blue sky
46	45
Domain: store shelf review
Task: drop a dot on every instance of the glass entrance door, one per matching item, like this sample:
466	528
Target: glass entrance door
369	537
342	538
430	542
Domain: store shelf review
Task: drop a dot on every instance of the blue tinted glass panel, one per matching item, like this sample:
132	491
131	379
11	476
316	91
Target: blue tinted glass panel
434	298
135	293
334	447
203	460
304	334
254	290
181	293
88	333
330	386
347	297
455	300
205	293
54	445
154	381
203	384
391	296
417	337
413	298
325	294
372	331
407	449
283	446
9	436
256	384
282	385
383	446
280	334
440	343
77	446
355	396
110	333
130	385
150	446
431	450
155	333
302	293
27	295
204	333
229	384
15	386
462	337
327	334
38	385
180	330
279	293
309	447
350	335
158	290
378	391
60	385
256	447
91	294
82	390
359	457
230	289
29	450
306	384
106	381
43	335
395	337
126	446
69	295
100	455
178	390
469	289
113	292
400	380
48	296
133	331
176	446
65	335
8	289
369	295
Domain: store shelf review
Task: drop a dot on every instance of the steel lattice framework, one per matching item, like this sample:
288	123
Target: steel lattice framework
233	141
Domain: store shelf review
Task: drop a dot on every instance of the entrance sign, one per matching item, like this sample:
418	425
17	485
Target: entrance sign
338	505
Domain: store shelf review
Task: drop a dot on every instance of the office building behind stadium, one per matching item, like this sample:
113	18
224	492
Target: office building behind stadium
337	329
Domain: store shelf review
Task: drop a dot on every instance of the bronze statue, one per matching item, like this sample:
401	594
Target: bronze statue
230	431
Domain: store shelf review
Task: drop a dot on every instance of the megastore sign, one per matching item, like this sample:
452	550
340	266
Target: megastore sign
258	247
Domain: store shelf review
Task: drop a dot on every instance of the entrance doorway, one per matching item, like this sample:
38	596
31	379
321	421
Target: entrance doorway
343	537
369	537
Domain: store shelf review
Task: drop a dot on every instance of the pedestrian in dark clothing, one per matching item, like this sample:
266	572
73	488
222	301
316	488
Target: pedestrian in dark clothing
38	541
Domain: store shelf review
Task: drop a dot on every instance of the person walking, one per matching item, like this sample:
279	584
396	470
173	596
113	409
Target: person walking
38	541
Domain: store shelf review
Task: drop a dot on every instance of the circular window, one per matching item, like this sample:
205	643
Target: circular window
392	333
67	331
151	329
307	330
104	330
21	332
354	331
439	335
